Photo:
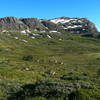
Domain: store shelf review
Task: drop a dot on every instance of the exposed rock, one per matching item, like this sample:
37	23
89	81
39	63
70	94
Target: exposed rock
57	25
75	25
11	23
33	24
49	25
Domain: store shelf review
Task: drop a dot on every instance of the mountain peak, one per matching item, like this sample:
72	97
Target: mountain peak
66	20
61	24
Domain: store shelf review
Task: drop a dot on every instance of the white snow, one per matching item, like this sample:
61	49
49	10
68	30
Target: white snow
49	36
74	26
27	69
65	28
33	37
24	41
60	39
74	21
42	31
80	21
83	29
56	21
24	31
16	38
86	25
35	30
4	31
62	63
53	31
28	31
46	27
35	34
69	26
62	20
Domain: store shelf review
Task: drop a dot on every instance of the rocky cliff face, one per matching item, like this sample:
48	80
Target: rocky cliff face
75	25
11	23
33	24
57	25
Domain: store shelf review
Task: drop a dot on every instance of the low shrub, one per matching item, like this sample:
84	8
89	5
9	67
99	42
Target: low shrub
28	58
51	88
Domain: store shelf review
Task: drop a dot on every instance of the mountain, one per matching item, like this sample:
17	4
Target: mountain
57	25
46	65
38	64
75	25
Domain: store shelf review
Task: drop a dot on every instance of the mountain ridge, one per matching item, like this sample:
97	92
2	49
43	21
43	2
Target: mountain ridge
56	25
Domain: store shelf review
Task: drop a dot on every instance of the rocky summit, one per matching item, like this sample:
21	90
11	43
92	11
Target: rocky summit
56	25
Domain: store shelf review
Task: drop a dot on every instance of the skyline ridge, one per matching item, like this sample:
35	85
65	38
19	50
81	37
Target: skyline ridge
52	18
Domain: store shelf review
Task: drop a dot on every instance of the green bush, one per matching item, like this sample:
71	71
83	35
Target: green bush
51	88
8	87
78	95
98	72
28	58
48	88
36	98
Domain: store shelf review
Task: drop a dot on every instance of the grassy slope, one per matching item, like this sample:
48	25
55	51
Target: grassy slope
72	53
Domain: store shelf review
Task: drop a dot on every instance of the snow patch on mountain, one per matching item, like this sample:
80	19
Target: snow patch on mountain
74	26
63	20
4	31
25	41
33	37
16	38
24	31
49	36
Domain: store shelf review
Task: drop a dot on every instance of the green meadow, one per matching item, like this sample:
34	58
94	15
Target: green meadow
51	65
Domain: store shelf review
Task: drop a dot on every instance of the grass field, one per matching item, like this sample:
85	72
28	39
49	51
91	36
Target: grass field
24	60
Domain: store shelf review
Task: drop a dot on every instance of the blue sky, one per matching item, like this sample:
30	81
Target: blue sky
52	8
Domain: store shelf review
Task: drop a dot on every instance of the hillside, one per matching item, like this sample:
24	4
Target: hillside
46	64
70	58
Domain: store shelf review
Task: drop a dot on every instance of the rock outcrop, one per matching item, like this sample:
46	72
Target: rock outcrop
62	24
75	25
